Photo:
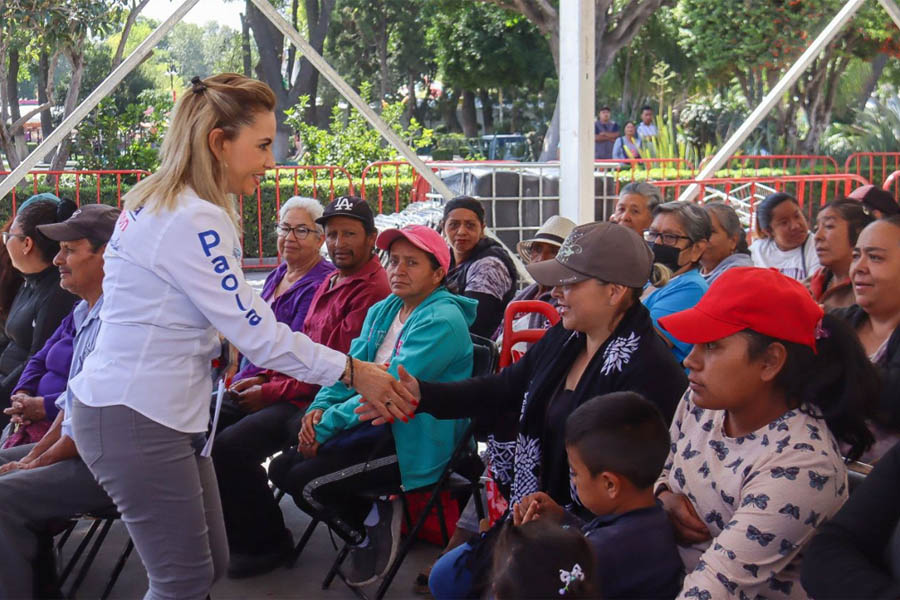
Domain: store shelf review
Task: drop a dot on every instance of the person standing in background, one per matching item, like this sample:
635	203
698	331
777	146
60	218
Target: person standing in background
606	131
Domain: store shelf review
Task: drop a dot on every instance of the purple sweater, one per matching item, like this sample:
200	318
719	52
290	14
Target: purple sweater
47	371
290	307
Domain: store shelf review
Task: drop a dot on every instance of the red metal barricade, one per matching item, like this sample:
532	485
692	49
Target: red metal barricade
874	166
77	184
811	191
791	164
264	211
377	170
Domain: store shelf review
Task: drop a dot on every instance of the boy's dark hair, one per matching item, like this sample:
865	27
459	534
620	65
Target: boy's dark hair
622	432
646	107
528	560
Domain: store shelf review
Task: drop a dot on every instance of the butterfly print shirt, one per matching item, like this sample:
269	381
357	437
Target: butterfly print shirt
761	496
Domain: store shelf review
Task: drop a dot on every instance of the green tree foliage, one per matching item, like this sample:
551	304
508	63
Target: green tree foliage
350	141
754	43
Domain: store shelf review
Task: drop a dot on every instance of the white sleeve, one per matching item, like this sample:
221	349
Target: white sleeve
200	256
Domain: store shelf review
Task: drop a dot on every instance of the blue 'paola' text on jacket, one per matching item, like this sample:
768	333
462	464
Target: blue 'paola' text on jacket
209	239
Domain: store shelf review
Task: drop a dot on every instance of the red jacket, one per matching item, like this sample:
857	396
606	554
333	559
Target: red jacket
335	318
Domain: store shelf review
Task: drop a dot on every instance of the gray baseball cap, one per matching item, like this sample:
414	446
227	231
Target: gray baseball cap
604	251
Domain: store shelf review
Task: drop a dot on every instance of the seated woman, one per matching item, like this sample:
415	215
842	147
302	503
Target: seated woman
480	267
628	146
604	343
543	246
40	304
875	274
837	228
786	243
45	377
754	466
678	236
424	327
857	553
635	206
727	244
290	288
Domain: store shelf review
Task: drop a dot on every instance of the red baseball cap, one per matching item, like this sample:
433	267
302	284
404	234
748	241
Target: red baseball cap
422	237
762	300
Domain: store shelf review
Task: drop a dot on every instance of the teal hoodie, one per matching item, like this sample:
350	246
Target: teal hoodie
434	345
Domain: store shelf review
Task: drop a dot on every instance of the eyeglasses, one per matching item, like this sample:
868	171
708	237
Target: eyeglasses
668	239
300	231
8	234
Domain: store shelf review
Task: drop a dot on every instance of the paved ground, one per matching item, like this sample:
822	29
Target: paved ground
303	581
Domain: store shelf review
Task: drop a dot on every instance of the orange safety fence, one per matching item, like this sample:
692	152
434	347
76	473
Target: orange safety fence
796	164
377	170
666	167
874	166
811	191
88	185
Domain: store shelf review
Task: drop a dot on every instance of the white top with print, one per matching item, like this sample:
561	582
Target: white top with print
761	495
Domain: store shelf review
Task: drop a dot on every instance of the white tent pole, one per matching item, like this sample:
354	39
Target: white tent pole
105	87
351	96
892	9
775	94
576	117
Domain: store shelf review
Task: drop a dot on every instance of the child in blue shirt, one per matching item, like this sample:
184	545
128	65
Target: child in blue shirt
617	444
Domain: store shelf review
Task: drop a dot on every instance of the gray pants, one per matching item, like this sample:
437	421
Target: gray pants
30	497
166	493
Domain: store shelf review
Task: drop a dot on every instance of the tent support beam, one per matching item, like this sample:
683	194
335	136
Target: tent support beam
776	93
352	97
87	105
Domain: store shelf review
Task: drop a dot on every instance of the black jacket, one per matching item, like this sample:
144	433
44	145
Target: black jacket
853	554
650	370
490	309
889	404
37	310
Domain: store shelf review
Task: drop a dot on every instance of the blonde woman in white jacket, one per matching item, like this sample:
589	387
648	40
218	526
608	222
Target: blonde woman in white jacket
173	279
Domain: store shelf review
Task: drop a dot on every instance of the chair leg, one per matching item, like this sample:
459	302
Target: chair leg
67	570
442	520
479	505
114	577
336	566
66	534
407	544
92	555
298	549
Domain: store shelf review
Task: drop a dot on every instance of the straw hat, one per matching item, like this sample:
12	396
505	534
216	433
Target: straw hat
554	231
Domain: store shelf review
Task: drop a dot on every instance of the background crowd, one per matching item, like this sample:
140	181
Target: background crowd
684	430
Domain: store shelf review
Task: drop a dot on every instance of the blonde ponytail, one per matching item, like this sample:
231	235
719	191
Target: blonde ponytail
660	275
227	101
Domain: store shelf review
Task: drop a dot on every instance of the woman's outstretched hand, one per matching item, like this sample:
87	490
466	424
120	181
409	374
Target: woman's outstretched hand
384	399
386	412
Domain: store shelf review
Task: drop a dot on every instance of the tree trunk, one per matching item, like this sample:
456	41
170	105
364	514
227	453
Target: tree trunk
292	50
381	49
12	94
487	110
410	95
76	58
270	44
447	103
469	116
44	91
245	44
126	30
865	93
626	91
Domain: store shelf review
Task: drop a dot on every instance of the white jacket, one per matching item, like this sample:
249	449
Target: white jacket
173	278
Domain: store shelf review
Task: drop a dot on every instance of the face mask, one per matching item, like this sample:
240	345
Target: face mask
666	255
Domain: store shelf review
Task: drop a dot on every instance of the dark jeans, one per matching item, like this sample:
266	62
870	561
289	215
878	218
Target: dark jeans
253	520
327	486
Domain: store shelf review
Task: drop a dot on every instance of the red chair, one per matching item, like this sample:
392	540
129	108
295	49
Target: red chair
530	336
